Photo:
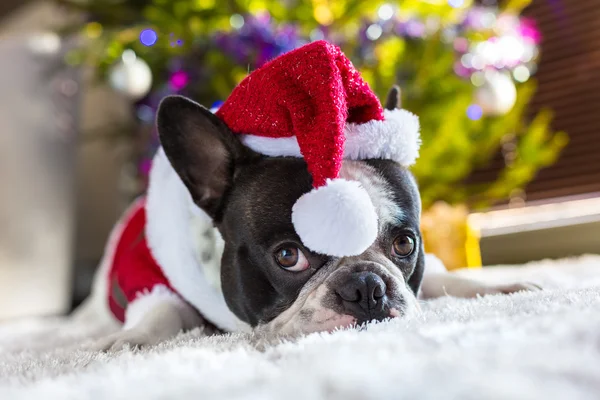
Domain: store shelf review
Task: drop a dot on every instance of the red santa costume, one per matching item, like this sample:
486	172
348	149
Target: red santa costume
308	103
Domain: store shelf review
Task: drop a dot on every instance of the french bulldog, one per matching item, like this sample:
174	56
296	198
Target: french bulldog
268	278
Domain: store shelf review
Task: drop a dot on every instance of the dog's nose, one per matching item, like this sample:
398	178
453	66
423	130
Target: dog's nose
363	296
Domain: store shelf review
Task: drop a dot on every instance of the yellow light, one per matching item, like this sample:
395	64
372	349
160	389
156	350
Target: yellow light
323	14
93	30
203	4
240	75
195	24
256	6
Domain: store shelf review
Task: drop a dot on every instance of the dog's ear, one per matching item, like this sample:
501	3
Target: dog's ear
393	98
201	149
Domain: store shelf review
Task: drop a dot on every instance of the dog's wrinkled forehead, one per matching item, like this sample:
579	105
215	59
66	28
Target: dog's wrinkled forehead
380	190
265	193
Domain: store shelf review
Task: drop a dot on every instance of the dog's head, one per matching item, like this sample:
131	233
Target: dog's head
268	277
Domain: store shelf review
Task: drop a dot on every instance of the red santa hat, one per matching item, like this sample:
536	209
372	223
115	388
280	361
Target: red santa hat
313	103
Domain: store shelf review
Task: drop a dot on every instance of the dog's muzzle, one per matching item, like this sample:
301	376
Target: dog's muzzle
363	295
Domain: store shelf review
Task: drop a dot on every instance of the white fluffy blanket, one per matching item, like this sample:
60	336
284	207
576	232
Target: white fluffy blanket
543	345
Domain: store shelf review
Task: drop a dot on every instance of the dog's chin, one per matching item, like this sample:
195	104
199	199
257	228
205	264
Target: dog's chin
327	320
332	321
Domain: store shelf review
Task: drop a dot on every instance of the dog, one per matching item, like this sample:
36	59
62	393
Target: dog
268	278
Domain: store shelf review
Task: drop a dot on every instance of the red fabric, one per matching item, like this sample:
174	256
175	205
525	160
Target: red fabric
310	93
133	269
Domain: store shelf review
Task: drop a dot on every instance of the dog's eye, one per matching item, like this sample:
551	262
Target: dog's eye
291	259
403	246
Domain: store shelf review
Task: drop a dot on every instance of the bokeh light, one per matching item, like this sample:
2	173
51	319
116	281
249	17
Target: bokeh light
385	12
236	21
474	112
93	30
456	3
478	79
179	80
521	73
374	32
148	37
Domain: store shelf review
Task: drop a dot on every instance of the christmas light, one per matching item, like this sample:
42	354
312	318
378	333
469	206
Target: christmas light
415	28
236	21
385	12
93	30
467	60
179	80
323	14
374	32
456	3
511	48
488	19
521	73
474	112
478	79
477	62
148	37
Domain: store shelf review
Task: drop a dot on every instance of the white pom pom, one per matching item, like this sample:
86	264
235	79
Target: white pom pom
337	219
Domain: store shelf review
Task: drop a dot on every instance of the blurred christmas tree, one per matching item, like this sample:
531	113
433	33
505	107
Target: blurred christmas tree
464	69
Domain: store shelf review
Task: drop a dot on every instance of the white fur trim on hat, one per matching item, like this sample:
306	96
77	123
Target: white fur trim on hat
146	301
337	219
169	213
395	138
273	147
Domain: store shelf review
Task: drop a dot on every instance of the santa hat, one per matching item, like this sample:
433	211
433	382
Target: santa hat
313	103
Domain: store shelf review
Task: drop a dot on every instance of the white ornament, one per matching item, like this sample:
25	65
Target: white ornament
497	95
131	76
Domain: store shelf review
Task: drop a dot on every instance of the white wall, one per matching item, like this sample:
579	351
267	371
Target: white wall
97	165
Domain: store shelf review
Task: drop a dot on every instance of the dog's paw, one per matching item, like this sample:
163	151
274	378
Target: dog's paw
133	338
510	288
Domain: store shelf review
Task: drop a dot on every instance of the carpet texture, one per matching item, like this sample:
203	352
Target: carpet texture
536	345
